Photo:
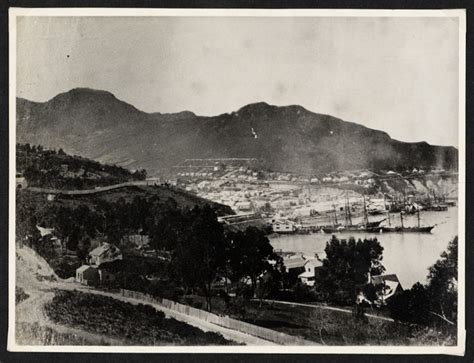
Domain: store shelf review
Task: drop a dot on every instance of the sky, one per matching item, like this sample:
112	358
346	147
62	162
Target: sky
395	74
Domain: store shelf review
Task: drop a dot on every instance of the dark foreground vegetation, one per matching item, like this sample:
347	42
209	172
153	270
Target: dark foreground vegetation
78	221
141	324
435	303
57	170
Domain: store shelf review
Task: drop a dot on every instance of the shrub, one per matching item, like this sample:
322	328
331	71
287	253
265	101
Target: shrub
141	324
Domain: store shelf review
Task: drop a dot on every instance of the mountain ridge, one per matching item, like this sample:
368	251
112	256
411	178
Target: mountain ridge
96	124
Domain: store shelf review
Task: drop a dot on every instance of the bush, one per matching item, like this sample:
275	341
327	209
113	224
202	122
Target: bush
411	305
141	324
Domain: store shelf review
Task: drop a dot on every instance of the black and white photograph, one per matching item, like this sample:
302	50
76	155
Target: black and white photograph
205	180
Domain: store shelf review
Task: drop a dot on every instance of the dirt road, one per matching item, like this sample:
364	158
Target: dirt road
41	291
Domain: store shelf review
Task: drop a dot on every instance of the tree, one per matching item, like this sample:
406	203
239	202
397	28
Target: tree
250	253
200	251
411	305
443	284
345	268
83	249
165	229
434	303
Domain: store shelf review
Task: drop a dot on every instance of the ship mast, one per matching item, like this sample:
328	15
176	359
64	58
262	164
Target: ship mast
366	218
347	213
335	214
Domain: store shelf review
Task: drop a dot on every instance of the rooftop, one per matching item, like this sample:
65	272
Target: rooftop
104	247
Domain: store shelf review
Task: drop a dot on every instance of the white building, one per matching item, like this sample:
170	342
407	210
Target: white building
308	277
106	252
283	227
244	206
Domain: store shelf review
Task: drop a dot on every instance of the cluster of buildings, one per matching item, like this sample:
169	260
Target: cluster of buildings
306	271
93	272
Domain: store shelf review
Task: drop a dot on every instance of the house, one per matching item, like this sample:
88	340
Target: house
283	227
294	264
48	233
106	252
21	182
244	206
390	286
87	275
308	277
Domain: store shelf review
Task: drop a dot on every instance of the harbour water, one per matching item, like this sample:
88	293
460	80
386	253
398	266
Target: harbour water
409	255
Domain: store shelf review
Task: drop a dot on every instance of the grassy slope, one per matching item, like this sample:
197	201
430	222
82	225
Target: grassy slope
183	199
50	169
326	327
139	323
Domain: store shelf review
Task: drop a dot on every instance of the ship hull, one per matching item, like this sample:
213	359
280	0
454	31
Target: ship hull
426	229
377	229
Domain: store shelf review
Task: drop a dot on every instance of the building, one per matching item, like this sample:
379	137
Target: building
244	206
21	182
92	276
294	264
283	227
106	252
308	277
87	275
390	286
48	233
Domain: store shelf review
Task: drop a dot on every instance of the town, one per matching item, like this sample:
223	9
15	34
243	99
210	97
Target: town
120	248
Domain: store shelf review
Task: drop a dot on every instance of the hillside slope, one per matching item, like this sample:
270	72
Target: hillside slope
55	169
97	125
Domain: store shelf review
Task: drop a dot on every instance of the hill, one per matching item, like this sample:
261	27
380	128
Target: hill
57	170
97	125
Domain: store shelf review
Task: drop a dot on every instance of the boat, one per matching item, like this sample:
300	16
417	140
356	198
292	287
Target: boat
399	229
403	229
365	227
436	208
376	212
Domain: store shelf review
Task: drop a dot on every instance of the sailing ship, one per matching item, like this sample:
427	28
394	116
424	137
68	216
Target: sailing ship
403	229
365	226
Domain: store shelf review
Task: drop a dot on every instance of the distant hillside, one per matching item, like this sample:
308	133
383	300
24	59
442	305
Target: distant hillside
55	169
97	125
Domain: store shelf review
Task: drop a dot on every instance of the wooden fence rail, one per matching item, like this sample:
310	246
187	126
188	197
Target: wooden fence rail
224	321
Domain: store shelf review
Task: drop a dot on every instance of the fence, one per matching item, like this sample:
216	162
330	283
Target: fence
224	321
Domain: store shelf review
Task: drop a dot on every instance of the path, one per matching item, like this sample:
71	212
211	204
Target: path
31	310
231	334
325	308
92	191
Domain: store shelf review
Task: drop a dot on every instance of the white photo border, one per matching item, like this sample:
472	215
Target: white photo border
460	14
